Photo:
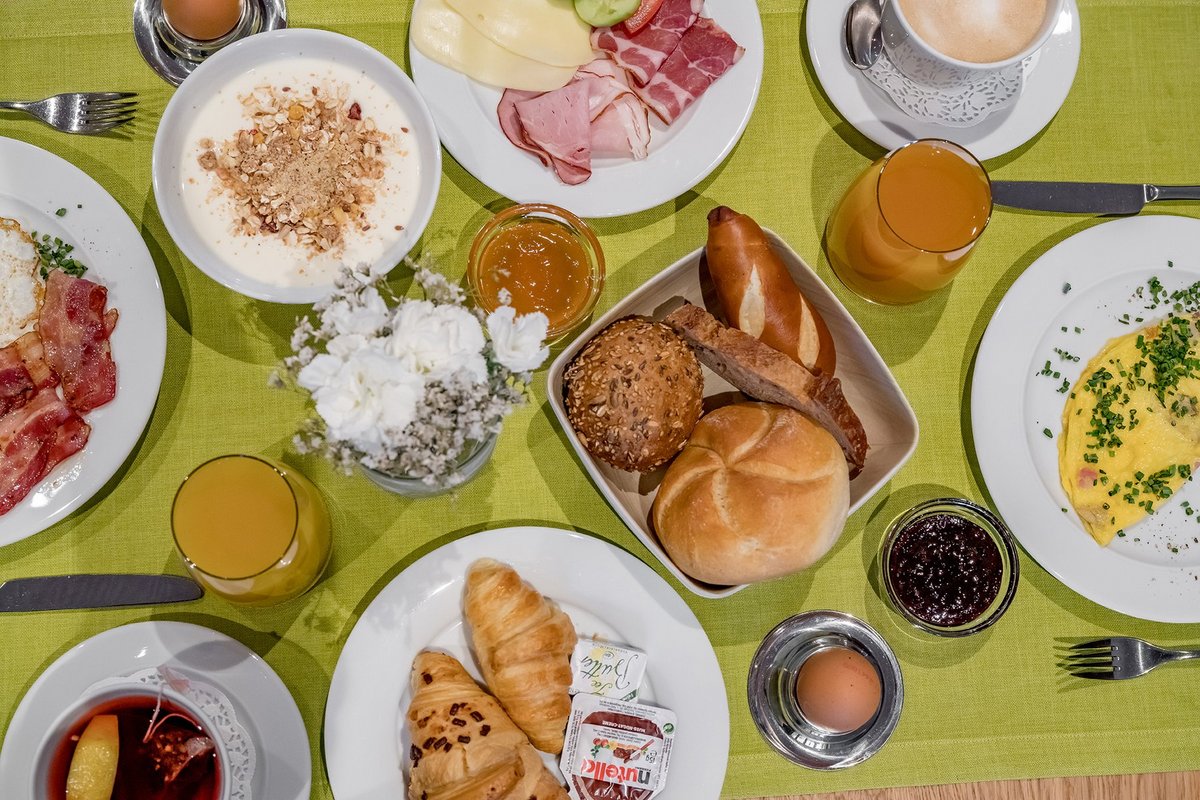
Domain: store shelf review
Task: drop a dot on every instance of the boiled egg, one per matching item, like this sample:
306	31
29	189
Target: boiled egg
20	285
203	20
838	689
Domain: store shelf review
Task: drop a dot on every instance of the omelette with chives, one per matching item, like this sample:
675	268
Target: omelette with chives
1131	426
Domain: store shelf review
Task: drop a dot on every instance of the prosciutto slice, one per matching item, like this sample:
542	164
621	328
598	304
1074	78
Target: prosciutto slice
34	440
704	54
75	326
23	371
557	123
644	52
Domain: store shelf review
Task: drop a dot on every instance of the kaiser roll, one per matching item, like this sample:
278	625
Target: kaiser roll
760	491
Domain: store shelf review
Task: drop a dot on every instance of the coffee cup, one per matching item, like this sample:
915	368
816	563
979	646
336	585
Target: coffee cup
954	44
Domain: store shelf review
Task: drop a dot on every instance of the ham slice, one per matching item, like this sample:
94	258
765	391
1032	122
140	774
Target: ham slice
33	441
644	52
75	326
623	130
510	123
557	123
704	54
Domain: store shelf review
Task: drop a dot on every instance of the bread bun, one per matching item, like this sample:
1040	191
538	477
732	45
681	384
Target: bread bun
633	394
757	294
759	492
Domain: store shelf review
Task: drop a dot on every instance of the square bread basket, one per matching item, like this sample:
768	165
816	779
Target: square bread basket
867	383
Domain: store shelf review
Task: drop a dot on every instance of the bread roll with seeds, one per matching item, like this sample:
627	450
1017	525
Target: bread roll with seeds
633	394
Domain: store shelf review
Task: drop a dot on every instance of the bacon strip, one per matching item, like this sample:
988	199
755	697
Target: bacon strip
704	54
75	327
644	52
33	441
16	384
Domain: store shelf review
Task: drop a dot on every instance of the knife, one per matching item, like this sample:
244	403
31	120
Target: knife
1086	198
63	592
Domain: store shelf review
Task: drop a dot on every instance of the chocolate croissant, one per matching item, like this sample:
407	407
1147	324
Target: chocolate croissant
464	747
523	642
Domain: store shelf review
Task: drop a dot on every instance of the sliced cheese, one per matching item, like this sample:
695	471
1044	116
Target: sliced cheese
548	31
441	34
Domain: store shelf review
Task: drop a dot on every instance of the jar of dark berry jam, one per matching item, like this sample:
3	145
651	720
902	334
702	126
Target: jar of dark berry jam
949	566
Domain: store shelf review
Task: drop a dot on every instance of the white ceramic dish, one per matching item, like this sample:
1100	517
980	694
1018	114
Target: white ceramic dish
263	704
34	184
889	420
247	55
606	592
681	155
865	106
1011	405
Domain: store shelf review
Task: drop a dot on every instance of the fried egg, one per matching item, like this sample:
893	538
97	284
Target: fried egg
1131	426
20	286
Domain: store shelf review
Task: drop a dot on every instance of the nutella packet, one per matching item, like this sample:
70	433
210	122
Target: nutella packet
616	750
607	669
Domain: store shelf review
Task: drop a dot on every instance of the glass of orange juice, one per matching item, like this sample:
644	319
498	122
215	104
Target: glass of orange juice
251	530
907	224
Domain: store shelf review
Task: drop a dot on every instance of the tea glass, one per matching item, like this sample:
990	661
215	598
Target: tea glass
215	551
886	265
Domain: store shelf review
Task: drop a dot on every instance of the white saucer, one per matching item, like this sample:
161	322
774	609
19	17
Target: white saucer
264	705
864	105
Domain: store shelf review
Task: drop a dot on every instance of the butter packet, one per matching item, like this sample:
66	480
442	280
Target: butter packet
615	749
607	670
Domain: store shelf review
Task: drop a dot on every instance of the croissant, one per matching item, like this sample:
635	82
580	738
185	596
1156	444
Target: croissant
524	643
464	747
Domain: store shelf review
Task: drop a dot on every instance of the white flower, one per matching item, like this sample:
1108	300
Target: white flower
438	340
365	317
364	398
518	341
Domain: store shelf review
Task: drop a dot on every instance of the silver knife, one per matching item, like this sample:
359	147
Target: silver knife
62	592
1086	198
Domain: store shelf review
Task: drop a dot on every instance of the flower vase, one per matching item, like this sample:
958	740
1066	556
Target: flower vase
470	463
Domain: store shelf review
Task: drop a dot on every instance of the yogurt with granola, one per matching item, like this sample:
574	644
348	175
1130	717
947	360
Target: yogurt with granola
297	167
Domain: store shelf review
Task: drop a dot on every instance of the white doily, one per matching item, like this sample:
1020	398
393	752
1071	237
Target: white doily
240	762
954	106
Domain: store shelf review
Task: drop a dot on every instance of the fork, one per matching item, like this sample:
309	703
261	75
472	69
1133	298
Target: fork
80	112
1119	658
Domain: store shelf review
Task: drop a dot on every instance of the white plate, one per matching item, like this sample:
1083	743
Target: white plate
680	157
865	106
243	57
1011	404
263	704
605	590
33	185
888	419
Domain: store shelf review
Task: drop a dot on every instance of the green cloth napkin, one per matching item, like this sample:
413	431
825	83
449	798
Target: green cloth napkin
992	706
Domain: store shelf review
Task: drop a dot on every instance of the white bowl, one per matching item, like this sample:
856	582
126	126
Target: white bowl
86	707
889	420
234	61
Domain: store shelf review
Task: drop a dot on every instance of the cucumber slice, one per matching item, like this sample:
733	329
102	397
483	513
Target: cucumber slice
603	13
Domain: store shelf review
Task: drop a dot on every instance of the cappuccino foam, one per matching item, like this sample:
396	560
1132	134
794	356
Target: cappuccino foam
980	31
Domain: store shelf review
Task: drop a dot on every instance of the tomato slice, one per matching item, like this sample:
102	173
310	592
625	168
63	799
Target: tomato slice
644	14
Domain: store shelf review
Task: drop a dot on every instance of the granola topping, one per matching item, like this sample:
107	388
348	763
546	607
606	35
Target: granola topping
307	167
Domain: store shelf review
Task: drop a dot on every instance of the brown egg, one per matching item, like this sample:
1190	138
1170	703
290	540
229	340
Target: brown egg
202	20
838	689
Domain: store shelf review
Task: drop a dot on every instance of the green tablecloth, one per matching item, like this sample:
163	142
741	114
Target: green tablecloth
992	706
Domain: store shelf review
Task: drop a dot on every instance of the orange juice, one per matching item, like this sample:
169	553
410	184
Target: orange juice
907	225
251	530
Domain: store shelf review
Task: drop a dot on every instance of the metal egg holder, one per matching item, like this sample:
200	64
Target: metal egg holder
174	56
772	683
